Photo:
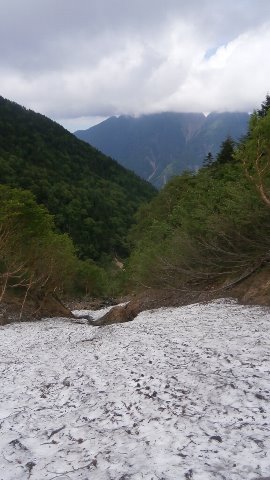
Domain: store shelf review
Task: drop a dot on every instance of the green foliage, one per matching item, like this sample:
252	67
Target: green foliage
208	160
34	258
254	154
89	280
32	255
212	226
226	153
262	112
158	146
92	198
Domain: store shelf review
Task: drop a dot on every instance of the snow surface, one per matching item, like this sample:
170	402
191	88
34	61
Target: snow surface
179	393
95	314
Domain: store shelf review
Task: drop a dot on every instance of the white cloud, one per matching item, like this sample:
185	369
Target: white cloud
110	57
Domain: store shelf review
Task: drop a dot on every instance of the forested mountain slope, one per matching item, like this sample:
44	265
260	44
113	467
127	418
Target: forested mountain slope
91	196
210	229
159	146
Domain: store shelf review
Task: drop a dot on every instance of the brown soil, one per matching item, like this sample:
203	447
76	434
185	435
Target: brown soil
90	304
253	290
35	308
147	300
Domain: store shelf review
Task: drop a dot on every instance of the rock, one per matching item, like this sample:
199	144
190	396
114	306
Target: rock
260	396
216	437
146	300
119	314
30	466
85	316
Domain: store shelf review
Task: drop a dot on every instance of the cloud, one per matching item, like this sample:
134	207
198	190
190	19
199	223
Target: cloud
71	59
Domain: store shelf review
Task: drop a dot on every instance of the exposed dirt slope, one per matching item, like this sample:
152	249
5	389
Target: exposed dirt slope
34	308
254	290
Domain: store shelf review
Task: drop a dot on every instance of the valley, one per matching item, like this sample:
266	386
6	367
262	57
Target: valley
158	146
134	240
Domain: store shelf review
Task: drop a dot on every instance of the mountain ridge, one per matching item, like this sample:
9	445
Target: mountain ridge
158	146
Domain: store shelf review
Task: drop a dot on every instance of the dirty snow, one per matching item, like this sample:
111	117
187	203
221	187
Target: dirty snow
96	314
179	393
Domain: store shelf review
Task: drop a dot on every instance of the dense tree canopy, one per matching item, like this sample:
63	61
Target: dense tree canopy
92	198
32	256
35	260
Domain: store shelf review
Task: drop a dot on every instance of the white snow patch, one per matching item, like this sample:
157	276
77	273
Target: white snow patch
179	393
96	314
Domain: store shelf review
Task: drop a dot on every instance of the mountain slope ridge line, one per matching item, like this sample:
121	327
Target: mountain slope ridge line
158	146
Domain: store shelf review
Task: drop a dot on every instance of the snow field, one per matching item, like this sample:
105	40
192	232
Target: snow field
179	393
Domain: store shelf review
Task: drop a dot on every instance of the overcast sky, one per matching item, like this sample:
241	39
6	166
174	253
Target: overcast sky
80	61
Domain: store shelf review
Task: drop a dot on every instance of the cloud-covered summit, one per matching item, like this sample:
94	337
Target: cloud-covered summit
72	59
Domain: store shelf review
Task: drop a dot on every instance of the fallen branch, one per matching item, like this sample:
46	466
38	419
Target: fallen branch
54	432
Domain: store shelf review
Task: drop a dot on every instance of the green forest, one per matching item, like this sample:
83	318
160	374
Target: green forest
91	197
209	229
67	211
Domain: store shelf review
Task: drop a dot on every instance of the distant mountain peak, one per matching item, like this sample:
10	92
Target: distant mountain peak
159	145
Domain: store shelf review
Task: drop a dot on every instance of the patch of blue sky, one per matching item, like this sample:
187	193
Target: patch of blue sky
211	52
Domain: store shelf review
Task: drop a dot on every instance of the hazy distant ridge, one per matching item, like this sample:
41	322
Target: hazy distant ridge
157	146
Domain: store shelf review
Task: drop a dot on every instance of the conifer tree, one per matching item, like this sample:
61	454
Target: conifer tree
208	160
226	152
264	107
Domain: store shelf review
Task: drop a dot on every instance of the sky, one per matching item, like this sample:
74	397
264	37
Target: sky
81	61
